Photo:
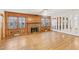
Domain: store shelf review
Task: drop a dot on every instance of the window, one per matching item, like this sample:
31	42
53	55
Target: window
21	22
12	22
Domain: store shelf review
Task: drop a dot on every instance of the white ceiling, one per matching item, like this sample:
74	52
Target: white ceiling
50	12
53	12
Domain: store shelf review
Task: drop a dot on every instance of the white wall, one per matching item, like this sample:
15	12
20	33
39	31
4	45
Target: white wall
73	17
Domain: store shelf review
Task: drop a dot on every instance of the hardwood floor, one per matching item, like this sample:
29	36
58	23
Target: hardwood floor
42	41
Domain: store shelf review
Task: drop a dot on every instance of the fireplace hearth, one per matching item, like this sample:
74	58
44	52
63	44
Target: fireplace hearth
34	29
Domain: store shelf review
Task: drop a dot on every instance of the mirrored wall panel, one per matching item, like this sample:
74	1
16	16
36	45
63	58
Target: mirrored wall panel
0	22
60	23
0	27
12	22
45	21
54	23
22	22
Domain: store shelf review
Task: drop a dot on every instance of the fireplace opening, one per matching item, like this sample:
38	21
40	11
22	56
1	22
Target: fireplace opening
34	29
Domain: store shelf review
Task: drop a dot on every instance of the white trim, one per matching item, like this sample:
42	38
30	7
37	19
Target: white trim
75	34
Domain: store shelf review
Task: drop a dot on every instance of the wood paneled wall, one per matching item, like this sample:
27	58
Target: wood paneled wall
29	19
